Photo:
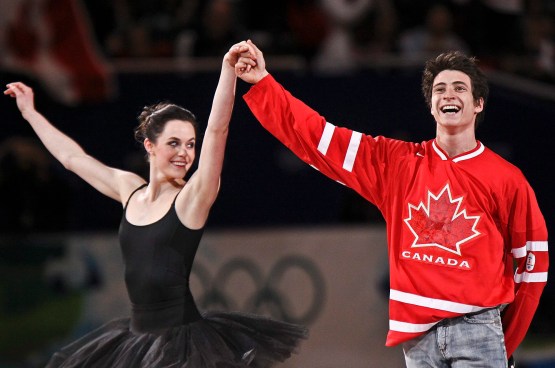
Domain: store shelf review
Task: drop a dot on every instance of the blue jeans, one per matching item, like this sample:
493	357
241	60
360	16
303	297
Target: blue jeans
472	340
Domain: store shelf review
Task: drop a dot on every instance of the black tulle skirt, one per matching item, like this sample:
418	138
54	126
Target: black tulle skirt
218	340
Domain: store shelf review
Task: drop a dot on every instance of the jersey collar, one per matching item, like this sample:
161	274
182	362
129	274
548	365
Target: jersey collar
476	151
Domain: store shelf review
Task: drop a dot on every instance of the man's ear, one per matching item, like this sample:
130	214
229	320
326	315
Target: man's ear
479	105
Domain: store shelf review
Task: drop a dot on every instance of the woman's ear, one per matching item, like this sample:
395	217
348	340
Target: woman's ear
148	146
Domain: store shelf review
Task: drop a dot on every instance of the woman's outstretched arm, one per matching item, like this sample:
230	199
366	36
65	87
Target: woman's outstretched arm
112	182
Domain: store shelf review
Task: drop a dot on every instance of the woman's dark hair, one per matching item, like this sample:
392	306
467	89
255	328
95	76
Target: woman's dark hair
153	119
456	60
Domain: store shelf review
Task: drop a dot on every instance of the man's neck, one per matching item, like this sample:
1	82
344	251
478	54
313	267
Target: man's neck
456	144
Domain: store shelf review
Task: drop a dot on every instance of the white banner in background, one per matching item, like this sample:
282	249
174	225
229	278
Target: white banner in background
334	280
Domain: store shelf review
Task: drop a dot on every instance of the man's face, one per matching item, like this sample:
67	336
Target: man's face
453	105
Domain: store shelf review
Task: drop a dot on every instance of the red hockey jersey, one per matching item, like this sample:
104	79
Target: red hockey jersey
456	226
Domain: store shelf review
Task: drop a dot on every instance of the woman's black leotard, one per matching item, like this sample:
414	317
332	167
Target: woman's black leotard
165	328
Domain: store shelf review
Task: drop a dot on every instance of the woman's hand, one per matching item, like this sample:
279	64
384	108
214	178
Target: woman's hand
23	94
236	51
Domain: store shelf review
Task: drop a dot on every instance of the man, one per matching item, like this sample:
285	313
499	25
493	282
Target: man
459	217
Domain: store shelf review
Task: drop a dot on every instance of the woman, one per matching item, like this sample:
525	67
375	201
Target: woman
162	224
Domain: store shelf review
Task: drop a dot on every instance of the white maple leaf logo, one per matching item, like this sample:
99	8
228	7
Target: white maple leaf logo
441	222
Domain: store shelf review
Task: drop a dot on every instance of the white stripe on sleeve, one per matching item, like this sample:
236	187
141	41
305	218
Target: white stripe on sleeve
325	140
351	155
537	246
531	246
519	252
530	277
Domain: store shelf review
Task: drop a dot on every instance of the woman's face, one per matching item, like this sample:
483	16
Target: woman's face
173	153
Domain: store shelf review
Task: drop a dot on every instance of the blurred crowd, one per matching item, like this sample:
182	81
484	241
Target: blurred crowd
335	36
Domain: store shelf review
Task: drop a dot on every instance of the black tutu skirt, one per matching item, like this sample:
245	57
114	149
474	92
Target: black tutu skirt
218	340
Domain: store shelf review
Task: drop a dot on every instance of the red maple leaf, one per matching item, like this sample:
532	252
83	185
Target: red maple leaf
441	223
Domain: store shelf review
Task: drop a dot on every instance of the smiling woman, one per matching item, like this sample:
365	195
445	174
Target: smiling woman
168	133
154	118
160	231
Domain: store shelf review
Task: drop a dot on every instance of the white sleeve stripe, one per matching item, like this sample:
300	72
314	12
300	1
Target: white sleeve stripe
531	246
439	304
409	327
519	252
325	140
530	277
351	155
537	246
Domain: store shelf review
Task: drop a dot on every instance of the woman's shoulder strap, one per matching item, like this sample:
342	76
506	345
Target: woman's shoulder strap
133	192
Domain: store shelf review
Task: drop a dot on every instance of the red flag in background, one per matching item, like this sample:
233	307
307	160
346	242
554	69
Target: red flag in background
51	41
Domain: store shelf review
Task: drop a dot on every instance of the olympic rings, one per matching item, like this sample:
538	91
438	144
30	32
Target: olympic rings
268	294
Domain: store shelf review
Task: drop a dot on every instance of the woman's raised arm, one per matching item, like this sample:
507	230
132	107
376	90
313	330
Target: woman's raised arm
114	183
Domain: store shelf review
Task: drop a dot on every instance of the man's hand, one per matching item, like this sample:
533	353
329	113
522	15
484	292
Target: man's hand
251	66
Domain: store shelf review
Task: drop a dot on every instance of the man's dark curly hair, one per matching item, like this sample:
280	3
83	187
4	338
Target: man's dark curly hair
456	60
